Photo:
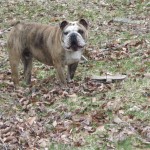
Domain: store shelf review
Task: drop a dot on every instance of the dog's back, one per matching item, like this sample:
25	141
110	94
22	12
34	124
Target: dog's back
25	34
33	38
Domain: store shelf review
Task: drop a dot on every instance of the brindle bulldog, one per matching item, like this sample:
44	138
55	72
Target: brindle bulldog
52	45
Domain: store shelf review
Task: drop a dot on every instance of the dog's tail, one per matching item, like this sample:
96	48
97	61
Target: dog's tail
11	25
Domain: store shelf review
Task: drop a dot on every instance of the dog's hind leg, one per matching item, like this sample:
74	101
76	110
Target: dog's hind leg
14	59
27	62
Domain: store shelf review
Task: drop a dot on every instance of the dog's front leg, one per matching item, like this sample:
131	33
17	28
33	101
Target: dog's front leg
71	71
60	73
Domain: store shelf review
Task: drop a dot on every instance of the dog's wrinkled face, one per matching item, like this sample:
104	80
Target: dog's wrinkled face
73	35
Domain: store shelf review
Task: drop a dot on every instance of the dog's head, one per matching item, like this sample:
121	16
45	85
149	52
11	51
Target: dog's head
74	34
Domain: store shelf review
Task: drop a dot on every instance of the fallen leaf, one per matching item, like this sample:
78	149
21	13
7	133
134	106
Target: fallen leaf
147	75
55	123
101	128
31	120
43	142
117	120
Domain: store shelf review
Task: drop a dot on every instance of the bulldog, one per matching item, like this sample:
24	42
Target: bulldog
52	45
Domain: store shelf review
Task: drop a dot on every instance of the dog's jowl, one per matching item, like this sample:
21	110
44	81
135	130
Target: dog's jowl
52	45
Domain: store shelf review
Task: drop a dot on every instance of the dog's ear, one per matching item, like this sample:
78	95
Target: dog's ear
63	24
84	23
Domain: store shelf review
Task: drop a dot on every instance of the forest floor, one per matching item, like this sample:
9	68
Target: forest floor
89	115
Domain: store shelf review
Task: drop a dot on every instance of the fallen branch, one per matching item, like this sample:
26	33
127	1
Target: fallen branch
109	78
126	20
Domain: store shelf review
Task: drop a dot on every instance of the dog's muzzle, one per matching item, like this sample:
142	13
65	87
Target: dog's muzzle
75	43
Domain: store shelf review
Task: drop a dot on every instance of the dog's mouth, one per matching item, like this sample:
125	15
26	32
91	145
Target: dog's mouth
74	47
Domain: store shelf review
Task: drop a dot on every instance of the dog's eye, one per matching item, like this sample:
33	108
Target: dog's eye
65	33
80	31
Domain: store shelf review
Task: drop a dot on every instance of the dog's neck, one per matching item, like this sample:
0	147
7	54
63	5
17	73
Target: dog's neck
73	56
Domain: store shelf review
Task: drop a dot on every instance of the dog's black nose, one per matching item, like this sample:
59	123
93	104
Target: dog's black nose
73	41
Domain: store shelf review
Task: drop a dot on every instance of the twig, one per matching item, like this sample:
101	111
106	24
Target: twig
83	57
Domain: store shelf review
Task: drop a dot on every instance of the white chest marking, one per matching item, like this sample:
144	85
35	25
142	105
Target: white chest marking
72	57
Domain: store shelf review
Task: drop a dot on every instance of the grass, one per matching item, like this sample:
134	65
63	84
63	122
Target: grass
130	92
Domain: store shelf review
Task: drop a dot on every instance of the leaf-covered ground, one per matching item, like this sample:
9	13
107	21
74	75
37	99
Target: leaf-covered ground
89	115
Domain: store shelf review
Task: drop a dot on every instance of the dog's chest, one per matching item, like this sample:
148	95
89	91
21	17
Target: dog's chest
72	57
